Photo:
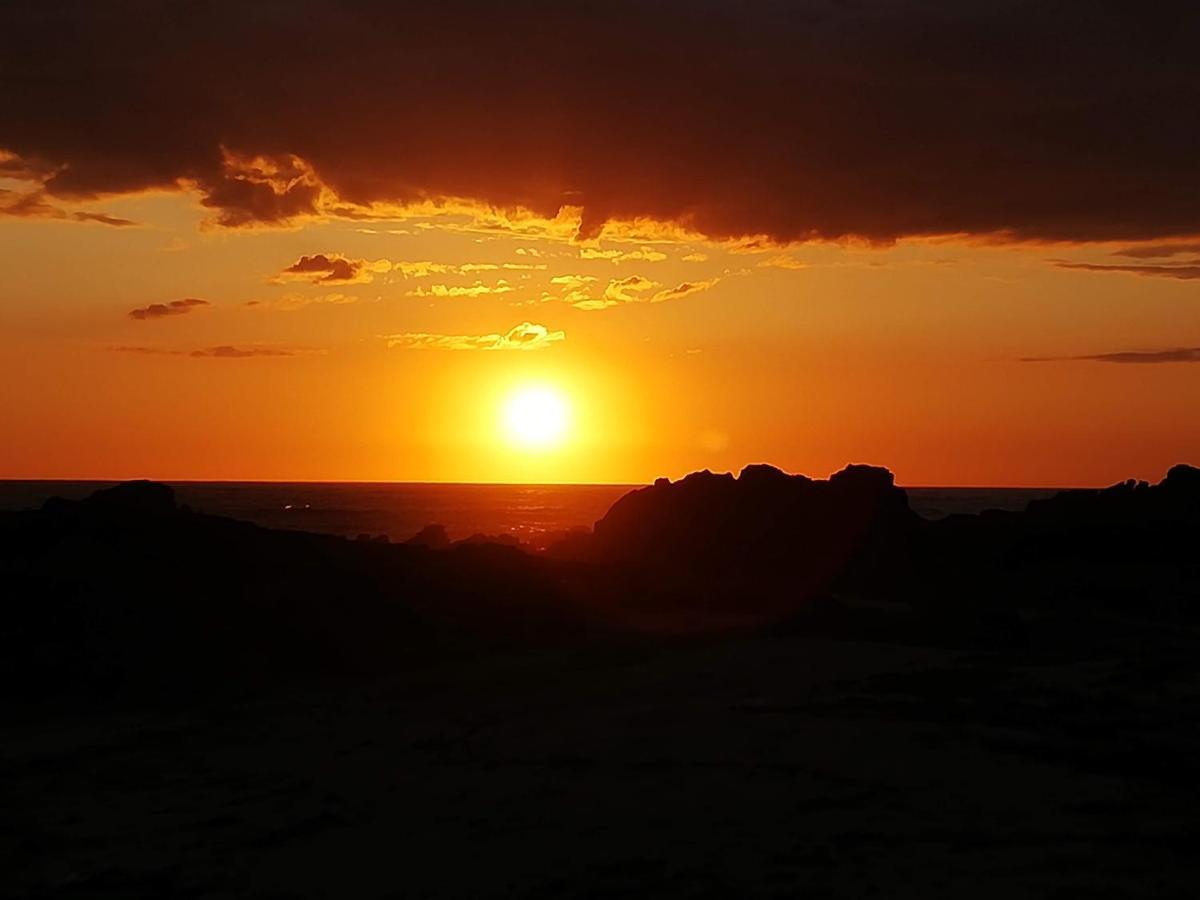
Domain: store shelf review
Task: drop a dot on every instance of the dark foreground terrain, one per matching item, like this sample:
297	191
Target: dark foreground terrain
755	687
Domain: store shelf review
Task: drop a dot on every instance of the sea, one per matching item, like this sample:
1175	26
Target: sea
534	514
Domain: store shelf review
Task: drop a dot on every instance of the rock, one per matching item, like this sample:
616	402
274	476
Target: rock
765	530
1183	479
432	536
148	497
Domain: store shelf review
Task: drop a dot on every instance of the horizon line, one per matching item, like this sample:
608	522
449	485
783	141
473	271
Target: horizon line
435	483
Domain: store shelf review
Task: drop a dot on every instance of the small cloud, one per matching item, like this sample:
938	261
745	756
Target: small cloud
628	290
529	336
584	302
683	290
633	289
1184	272
162	310
423	269
695	257
321	268
478	289
102	218
783	261
644	254
572	282
1177	355
526	336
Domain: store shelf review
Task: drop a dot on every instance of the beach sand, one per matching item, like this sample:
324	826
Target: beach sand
754	766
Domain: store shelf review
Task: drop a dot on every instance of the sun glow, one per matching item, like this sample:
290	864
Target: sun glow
536	417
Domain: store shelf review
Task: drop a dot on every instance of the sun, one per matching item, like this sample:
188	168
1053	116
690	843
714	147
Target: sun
536	417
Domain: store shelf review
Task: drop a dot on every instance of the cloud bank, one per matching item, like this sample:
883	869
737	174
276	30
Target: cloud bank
1066	121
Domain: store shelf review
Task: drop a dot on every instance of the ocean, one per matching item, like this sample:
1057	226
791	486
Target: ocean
533	513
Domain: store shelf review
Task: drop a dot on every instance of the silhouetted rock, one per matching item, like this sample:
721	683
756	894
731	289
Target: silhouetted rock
575	544
148	497
122	594
125	589
1129	547
1183	479
432	536
765	537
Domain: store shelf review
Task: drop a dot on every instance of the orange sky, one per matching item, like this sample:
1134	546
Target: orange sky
328	244
810	357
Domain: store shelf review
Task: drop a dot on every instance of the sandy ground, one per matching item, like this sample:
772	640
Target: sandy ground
772	766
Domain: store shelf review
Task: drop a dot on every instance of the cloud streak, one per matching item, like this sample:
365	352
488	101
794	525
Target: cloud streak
33	205
523	337
1136	357
1181	272
643	254
225	351
221	351
478	289
1159	251
164	310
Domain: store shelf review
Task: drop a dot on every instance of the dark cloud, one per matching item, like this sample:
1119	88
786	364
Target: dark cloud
1184	272
225	351
103	219
34	205
161	310
143	351
1159	251
683	290
323	269
1178	355
29	204
1047	121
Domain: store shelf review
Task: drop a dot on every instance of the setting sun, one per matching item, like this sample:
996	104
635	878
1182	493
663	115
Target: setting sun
536	417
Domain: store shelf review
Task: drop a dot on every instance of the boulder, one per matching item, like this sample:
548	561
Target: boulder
147	497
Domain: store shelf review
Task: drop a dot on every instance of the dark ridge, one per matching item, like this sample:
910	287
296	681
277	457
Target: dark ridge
124	592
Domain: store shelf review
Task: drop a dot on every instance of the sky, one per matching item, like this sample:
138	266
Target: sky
332	241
